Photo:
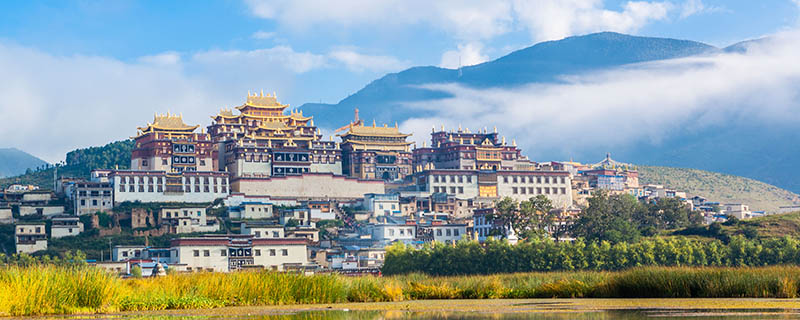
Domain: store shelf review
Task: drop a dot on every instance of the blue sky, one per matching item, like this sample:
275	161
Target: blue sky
87	62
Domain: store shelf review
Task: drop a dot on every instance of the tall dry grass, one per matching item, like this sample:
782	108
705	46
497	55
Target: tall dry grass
41	290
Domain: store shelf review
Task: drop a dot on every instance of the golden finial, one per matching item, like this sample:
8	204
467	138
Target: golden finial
248	93
262	93
514	142
274	95
495	129
373	123
424	144
442	127
504	140
484	130
395	125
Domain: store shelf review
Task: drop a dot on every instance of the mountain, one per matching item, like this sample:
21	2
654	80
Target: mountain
79	164
546	62
14	162
734	147
719	187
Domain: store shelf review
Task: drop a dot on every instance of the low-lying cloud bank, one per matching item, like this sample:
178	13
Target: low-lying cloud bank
641	103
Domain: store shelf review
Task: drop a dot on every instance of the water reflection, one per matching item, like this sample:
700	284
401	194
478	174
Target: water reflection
536	315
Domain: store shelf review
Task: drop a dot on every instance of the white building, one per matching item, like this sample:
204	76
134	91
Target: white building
300	215
125	252
5	215
263	230
251	210
160	186
30	237
187	220
782	209
738	210
92	196
446	233
382	204
232	253
65	226
393	232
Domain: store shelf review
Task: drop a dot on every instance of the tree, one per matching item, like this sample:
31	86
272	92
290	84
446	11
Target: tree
608	218
529	218
136	272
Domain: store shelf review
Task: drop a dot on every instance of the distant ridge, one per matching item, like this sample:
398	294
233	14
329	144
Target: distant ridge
15	162
544	62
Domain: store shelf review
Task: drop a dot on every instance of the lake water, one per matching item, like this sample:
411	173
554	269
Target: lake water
541	309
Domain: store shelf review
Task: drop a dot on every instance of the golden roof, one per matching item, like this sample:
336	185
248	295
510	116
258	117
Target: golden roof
262	101
168	122
385	131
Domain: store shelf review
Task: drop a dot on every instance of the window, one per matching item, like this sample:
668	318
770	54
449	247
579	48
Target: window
455	232
391	232
515	179
196	253
206	253
452	190
448	232
38	229
469	179
258	234
223	253
439	232
522	190
272	252
284	252
410	232
258	252
563	180
563	190
514	190
276	234
505	179
83	202
164	162
461	190
94	203
124	253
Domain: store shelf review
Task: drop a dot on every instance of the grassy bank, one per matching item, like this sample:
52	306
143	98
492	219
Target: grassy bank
61	290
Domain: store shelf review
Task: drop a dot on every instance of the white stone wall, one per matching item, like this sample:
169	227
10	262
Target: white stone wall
556	188
46	210
335	168
393	232
294	253
122	253
257	211
309	186
66	231
448	234
264	232
5	215
215	261
155	196
466	185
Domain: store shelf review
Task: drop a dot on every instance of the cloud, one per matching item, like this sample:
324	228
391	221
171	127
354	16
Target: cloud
263	35
556	19
170	58
473	20
359	62
279	56
464	19
695	7
466	55
644	103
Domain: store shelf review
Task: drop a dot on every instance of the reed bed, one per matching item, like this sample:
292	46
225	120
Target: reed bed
38	290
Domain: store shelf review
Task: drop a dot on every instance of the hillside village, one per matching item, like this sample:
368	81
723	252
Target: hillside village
260	187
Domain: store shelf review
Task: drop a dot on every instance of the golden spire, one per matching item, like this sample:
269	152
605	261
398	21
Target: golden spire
442	127
504	140
459	127
514	142
495	129
373	123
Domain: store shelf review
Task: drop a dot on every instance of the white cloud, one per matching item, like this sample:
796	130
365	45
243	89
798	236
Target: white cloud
643	103
466	55
263	35
278	57
463	19
695	7
556	19
472	20
359	62
169	58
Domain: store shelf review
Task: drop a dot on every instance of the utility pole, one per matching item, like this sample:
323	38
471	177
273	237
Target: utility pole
110	250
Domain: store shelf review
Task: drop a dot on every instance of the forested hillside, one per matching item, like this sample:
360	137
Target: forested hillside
79	163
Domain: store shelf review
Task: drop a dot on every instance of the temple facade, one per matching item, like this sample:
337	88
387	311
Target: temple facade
375	152
465	150
262	141
170	145
483	166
